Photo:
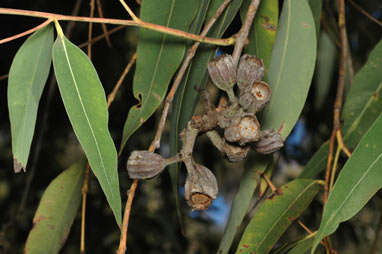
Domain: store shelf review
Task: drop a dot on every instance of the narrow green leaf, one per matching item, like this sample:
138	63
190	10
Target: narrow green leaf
362	107
316	8
358	181
248	184
263	31
291	67
56	212
275	215
85	102
299	244
27	77
176	107
326	59
158	57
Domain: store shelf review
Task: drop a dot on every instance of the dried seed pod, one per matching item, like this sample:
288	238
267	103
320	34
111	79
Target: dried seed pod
222	72
255	97
201	187
234	152
145	164
269	142
249	129
249	70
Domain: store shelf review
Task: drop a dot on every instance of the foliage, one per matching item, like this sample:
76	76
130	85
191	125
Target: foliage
298	44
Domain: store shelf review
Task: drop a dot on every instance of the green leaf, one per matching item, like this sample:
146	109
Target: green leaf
248	184
27	77
158	57
301	246
362	107
291	67
85	102
316	8
56	212
326	59
358	181
263	31
276	214
176	107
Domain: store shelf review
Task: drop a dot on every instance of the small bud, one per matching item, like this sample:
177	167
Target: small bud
222	72
269	142
145	164
255	97
201	187
249	129
234	152
249	70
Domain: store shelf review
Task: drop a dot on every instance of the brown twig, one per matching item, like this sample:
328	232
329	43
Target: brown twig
100	37
244	30
156	141
359	8
374	246
139	23
111	96
104	28
45	23
5	76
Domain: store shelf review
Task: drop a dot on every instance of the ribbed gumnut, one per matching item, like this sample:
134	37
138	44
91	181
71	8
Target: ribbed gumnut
235	152
201	187
145	164
249	129
222	72
254	97
269	142
249	70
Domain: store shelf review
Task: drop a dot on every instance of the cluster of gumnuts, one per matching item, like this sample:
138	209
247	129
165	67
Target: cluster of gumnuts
235	119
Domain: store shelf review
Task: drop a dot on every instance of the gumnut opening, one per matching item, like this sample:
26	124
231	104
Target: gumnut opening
255	97
222	72
249	129
201	187
235	152
145	164
269	142
249	70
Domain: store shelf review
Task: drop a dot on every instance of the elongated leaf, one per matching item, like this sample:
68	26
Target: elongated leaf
263	30
248	184
302	246
158	57
326	58
176	107
27	77
316	8
56	212
362	106
275	215
358	181
85	103
291	67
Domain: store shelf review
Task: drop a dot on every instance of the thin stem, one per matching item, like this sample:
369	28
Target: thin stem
191	53
90	30
244	30
5	76
328	167
359	8
154	27
127	8
104	28
111	96
271	185
374	246
99	37
334	168
45	23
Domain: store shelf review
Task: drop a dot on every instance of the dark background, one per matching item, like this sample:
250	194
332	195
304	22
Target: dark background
154	226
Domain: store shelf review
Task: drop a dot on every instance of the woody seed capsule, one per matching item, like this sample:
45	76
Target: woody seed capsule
222	72
235	152
145	164
249	70
201	187
254	98
269	142
249	129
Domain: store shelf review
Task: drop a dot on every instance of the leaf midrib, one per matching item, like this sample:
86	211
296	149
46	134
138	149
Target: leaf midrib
87	118
349	194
